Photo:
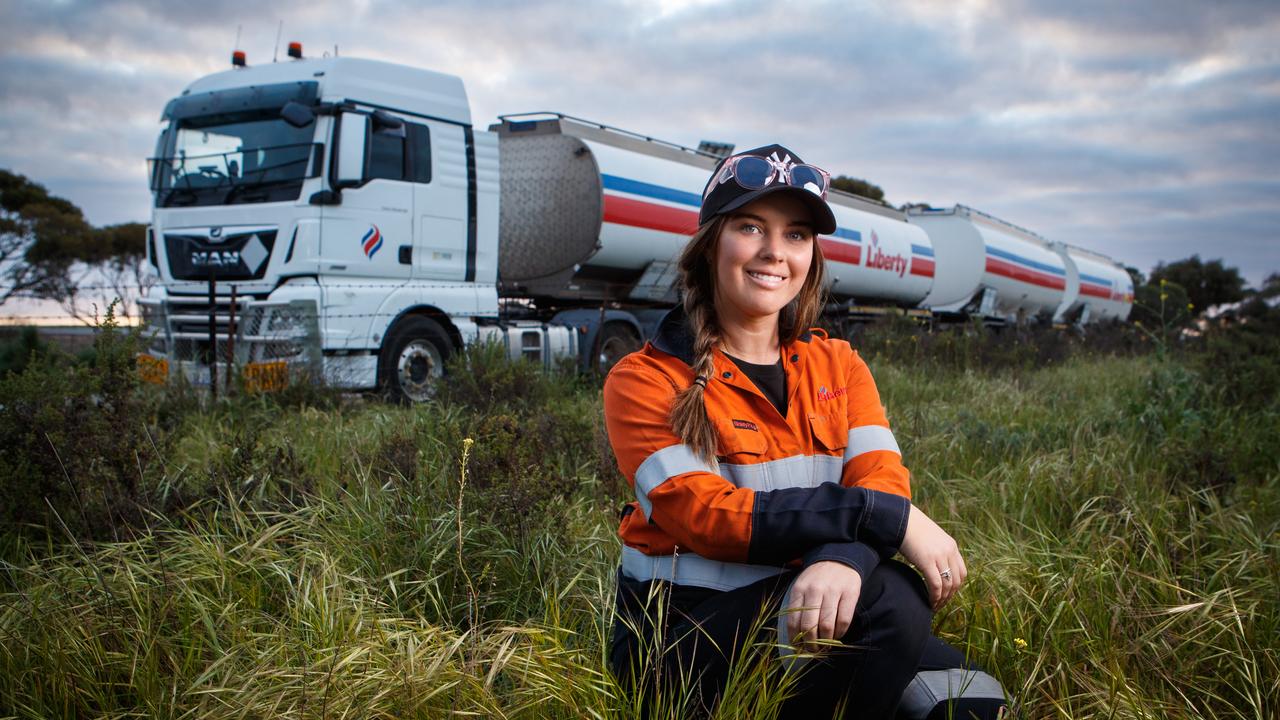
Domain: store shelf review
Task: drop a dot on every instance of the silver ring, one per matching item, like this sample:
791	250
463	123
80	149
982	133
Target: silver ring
946	574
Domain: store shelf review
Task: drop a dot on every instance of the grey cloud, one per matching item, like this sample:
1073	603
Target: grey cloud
1071	119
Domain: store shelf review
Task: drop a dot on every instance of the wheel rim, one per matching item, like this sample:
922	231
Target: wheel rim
612	350
417	367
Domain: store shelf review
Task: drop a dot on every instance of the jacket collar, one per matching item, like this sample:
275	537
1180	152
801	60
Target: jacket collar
674	338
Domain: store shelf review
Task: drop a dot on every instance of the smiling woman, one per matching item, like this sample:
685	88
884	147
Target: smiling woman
770	492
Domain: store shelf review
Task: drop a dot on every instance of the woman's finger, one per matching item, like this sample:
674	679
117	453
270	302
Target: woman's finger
933	580
808	622
844	613
793	614
829	606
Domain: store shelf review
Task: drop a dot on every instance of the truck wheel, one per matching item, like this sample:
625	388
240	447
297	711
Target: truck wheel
413	358
615	342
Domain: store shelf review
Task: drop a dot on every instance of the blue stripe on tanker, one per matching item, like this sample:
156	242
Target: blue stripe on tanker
1006	255
658	192
1096	279
921	250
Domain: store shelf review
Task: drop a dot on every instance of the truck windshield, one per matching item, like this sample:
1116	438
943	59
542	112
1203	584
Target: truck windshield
233	158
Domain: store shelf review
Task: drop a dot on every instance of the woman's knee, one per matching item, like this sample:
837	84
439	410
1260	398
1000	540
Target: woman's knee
896	608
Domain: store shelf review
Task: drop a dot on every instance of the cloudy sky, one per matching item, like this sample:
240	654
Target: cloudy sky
1144	130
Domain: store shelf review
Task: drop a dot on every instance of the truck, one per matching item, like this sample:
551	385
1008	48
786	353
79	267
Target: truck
343	218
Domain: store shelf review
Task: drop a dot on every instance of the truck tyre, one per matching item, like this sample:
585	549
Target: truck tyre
616	341
413	358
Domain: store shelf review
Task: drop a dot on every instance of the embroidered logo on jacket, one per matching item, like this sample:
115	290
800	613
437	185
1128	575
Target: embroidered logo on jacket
745	425
825	394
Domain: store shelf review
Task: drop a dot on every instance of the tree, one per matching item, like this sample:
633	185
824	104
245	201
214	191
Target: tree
1207	283
1136	276
110	264
34	225
858	187
49	251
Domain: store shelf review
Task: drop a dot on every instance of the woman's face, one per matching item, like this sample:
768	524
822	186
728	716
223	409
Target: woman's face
762	258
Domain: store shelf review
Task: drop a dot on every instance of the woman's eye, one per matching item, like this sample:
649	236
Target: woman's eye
798	236
749	228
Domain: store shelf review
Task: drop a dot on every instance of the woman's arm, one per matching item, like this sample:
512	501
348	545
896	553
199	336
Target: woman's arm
684	496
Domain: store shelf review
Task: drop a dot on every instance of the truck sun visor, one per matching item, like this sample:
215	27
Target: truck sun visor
254	97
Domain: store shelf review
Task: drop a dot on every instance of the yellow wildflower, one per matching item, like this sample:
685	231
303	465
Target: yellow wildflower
1022	644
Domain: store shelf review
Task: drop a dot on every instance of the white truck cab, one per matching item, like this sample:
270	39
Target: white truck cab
349	208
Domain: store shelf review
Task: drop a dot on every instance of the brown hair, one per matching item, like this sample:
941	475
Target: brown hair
697	267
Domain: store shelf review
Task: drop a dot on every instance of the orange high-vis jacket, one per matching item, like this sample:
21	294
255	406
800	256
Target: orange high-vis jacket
826	482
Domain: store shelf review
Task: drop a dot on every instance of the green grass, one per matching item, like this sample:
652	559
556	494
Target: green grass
1120	522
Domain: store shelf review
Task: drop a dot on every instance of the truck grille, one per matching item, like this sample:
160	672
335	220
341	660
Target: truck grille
233	254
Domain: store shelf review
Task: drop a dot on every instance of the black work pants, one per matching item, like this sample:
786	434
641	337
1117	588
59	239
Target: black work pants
669	638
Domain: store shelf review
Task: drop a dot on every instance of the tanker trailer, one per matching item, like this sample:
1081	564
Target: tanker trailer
593	214
989	266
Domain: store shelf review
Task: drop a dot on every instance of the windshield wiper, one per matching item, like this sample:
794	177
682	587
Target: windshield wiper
237	190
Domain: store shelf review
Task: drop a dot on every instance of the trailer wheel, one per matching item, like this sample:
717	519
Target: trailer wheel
413	359
616	341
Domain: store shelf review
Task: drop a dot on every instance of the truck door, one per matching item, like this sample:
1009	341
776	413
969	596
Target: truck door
440	200
367	236
362	234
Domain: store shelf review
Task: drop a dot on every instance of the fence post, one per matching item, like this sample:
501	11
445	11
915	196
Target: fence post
213	336
231	337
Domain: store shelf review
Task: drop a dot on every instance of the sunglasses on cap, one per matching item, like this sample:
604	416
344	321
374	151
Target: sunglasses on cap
754	172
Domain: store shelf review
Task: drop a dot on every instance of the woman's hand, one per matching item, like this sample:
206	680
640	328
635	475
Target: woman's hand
935	555
823	597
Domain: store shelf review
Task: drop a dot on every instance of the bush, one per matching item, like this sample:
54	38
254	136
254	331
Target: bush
483	377
20	349
974	346
74	438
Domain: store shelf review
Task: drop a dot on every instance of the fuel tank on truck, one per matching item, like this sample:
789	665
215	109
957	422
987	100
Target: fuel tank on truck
591	213
875	255
989	265
1098	288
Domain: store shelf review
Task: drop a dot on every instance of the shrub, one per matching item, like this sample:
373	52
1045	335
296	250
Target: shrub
19	349
483	377
974	346
74	438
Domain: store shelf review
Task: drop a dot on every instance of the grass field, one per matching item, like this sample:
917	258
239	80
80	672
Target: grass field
1120	521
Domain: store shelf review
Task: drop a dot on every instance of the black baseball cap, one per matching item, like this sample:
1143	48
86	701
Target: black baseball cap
728	196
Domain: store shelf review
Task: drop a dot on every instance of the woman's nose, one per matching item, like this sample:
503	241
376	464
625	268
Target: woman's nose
771	246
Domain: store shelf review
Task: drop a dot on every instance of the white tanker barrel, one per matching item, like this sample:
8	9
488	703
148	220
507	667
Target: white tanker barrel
874	255
1106	289
591	213
550	205
1018	268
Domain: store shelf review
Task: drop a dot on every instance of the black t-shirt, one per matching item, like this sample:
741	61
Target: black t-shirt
770	379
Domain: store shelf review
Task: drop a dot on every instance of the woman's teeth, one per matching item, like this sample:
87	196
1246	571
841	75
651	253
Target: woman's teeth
762	277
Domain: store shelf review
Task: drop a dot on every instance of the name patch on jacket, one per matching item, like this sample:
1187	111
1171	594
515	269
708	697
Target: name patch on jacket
825	394
745	425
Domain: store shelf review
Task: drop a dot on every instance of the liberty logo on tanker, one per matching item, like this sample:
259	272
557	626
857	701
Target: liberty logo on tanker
880	260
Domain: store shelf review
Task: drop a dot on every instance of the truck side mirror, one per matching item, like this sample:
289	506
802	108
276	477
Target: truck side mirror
297	114
353	143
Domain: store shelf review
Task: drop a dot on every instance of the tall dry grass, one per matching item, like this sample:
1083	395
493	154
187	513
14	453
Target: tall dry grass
1121	524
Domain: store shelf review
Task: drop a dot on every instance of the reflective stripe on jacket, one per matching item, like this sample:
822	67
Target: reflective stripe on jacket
825	482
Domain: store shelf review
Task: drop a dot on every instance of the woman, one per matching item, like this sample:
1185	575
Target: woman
768	484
